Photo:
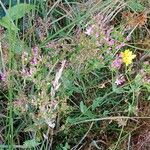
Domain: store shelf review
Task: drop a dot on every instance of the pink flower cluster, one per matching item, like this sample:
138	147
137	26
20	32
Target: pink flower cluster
102	31
34	58
120	80
116	64
29	70
89	30
2	76
27	73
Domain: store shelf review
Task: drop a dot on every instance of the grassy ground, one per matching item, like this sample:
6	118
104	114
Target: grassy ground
75	75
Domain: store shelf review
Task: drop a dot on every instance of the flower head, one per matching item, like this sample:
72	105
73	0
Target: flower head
97	35
35	50
25	72
127	57
120	80
89	30
116	64
128	38
111	42
2	76
33	61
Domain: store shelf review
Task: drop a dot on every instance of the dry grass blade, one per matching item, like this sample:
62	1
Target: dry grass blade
55	83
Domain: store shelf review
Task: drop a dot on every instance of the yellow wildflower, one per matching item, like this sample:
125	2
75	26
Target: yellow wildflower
127	57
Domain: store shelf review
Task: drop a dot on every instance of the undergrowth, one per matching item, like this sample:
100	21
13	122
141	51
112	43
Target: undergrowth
74	75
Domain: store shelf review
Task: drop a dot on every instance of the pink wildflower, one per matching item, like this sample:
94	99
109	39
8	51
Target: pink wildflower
34	57
97	35
146	63
89	30
33	61
2	77
128	38
106	39
116	64
120	80
111	42
120	46
26	72
53	104
35	51
146	79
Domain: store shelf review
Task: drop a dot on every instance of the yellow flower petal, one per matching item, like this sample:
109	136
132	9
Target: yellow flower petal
127	57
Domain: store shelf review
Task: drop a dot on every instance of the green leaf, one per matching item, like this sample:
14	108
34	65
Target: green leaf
83	107
14	13
118	90
61	147
2	13
138	81
31	128
5	22
30	143
19	10
135	5
97	102
70	120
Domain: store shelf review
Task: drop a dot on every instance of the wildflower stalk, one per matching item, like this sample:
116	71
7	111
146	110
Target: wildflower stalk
133	97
